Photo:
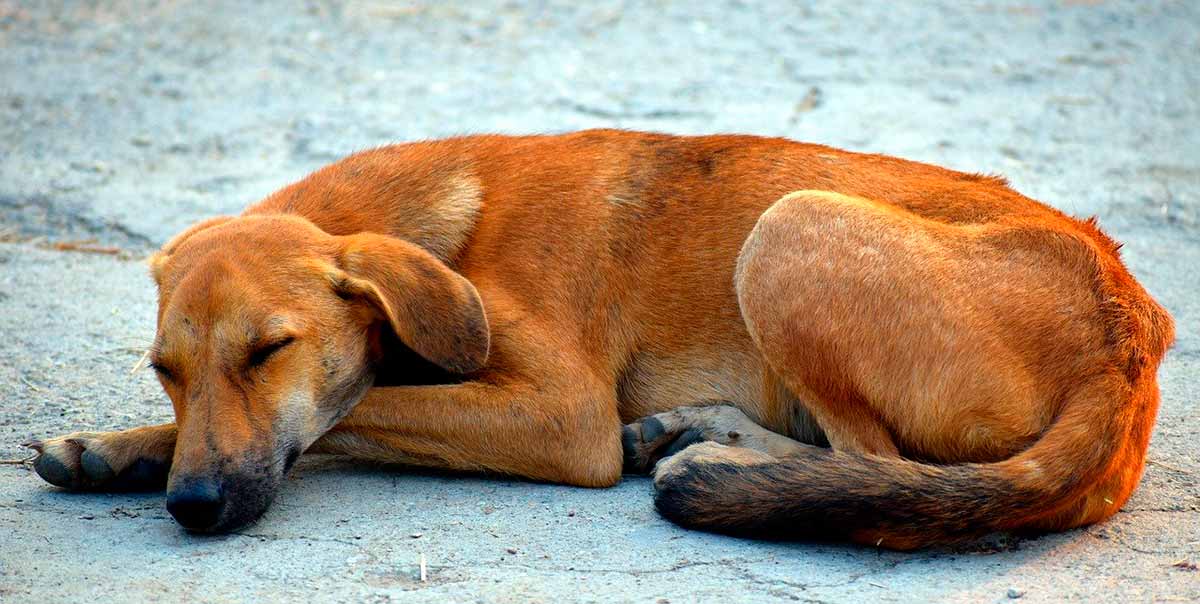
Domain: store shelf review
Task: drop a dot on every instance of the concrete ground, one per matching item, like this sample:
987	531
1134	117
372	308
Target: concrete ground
124	123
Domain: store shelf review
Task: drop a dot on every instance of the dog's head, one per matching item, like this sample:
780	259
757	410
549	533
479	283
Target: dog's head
270	331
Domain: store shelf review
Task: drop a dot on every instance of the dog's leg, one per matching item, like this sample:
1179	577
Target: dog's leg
567	435
901	332
806	300
129	460
650	439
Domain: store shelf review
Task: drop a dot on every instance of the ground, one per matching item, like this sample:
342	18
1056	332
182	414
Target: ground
123	124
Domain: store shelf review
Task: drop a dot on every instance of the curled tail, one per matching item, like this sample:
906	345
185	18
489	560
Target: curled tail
1081	470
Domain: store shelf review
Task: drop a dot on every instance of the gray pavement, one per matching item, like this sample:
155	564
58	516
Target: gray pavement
125	123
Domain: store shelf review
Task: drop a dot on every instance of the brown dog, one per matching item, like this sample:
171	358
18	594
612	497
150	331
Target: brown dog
966	359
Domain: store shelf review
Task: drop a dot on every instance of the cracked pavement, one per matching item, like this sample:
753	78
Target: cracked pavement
121	124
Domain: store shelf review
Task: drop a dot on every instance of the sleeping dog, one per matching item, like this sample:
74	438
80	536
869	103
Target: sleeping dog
796	341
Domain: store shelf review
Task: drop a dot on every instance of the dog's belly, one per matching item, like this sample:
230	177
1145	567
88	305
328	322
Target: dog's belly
654	383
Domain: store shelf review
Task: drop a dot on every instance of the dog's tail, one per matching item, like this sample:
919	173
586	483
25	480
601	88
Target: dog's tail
1098	442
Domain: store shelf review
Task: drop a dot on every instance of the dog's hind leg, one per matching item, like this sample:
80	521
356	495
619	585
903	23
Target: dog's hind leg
940	340
807	281
130	460
975	368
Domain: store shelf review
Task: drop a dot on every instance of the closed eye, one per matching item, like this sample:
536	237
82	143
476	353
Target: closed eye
263	353
162	370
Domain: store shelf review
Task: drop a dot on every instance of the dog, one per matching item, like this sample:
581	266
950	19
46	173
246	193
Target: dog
796	341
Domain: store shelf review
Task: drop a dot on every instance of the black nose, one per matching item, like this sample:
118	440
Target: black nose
196	503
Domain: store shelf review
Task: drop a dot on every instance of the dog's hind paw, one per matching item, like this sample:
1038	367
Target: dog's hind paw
671	468
653	438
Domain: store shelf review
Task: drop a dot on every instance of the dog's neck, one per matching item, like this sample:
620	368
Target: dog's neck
434	204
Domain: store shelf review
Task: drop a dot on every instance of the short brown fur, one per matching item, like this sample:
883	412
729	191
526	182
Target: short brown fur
560	286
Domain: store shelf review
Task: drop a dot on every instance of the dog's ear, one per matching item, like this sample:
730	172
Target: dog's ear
432	309
158	259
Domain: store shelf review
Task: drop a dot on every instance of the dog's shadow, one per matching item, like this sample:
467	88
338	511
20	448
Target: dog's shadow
322	491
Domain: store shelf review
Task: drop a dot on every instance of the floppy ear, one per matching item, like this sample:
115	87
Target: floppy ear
432	309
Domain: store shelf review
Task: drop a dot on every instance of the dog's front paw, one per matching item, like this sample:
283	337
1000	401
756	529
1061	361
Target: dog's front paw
70	463
85	461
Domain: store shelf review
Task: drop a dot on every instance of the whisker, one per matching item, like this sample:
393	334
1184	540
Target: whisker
141	362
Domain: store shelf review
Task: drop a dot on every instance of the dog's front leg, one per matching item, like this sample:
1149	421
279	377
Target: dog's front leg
129	460
569	434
